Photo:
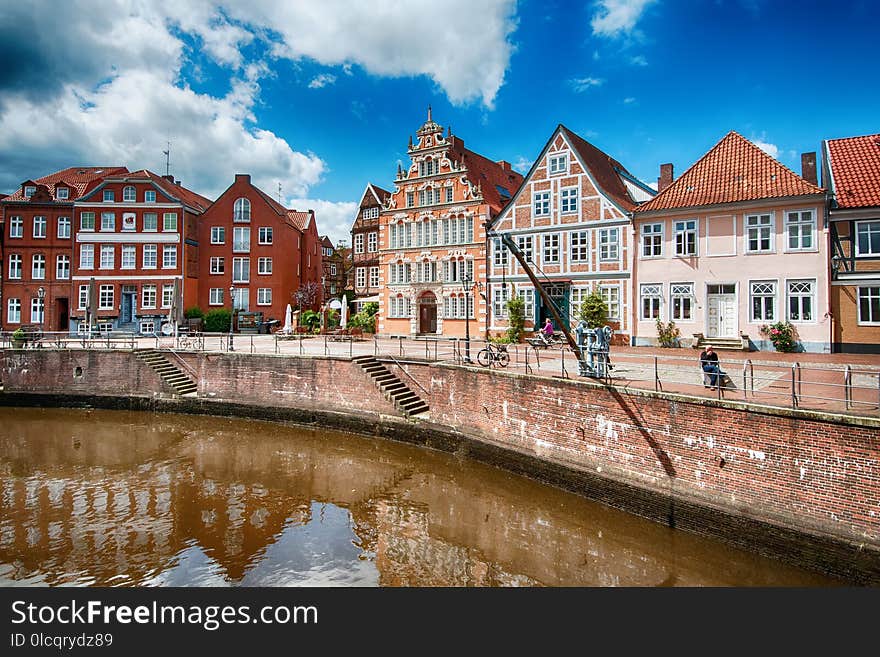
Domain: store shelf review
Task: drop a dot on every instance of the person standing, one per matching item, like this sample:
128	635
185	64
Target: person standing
709	365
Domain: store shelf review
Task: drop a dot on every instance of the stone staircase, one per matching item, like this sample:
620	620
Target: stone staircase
396	391
719	344
174	377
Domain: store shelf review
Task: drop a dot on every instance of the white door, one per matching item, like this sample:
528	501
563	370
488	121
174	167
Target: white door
722	316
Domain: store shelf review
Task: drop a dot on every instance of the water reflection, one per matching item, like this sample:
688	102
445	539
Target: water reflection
119	498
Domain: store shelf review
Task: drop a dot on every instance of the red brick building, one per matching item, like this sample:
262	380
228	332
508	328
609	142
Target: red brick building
334	269
135	252
38	243
365	245
265	251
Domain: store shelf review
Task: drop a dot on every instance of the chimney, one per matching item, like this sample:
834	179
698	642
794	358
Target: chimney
168	177
808	168
177	182
666	177
243	177
504	164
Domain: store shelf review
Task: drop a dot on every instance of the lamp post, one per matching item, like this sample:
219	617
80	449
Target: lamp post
41	294
231	314
467	283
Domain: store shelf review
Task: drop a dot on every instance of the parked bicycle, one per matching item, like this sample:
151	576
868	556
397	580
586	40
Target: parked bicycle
493	354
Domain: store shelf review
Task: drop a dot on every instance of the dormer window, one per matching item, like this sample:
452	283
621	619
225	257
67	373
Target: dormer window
128	194
241	210
29	190
559	163
150	196
62	193
109	196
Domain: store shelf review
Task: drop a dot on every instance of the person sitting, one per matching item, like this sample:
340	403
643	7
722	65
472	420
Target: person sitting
548	329
709	365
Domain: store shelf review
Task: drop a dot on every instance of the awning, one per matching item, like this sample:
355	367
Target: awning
367	299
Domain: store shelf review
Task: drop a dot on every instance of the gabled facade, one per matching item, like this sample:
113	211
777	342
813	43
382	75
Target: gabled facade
38	247
851	171
135	254
432	239
265	251
333	266
365	245
737	242
571	219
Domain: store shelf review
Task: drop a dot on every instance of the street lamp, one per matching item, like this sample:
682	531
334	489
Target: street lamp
467	283
41	294
231	314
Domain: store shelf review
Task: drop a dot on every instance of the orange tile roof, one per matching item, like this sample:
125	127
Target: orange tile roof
855	170
488	174
299	219
77	178
733	170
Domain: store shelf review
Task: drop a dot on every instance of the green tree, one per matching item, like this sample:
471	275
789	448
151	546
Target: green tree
516	318
594	310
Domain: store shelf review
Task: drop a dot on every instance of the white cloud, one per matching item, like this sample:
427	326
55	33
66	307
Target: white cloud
522	164
638	60
333	219
614	18
629	100
582	84
322	80
771	149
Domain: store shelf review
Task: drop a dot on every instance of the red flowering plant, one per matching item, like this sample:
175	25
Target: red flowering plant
782	334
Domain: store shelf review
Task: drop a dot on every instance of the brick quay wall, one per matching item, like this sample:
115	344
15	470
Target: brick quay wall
801	486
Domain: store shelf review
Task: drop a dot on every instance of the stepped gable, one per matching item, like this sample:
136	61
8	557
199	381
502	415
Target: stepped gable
734	170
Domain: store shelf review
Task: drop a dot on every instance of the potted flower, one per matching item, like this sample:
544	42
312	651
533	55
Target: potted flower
782	335
18	338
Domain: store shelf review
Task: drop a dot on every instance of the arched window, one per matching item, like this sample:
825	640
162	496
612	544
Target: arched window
242	210
128	194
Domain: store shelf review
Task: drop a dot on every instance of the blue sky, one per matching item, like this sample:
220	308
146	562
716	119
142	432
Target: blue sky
320	96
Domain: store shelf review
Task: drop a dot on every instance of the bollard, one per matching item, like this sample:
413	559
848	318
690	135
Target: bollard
656	376
794	400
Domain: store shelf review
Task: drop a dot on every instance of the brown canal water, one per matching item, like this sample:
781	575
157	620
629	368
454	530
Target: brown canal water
143	499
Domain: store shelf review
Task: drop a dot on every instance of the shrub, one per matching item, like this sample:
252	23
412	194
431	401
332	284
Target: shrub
594	310
217	320
667	334
783	336
332	319
516	318
19	335
366	318
311	319
194	313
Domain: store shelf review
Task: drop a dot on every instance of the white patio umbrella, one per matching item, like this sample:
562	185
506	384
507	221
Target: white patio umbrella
288	320
343	312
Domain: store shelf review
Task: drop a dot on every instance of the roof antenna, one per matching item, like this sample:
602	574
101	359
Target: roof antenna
167	155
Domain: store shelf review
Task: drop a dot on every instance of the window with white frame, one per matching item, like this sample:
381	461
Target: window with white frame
150	196
372	242
215	297
147	327
333	270
87	221
63	228
107	256
151	222
449	194
800	229
128	194
611	295
265	235
685	237
241	210
524	243
264	266
499	301
38	266
759	233
609	244
558	163
241	270
541	204
370	213
169	256
38	306
359	241
40	227
762	304
14	266
86	256
399	307
527	294
801	300
109	196
576	299
681	296
169	222
868	238
16	227
13	311
150	256
568	200
218	235
29	190
108	222
83	297
360	277
457	306
499	252
105	297
264	296
167	295
62	193
651	296
241	239
374	277
869	305
62	267
652	240
218	265
410	199
550	249
580	246
455	271
148	296
426	167
129	256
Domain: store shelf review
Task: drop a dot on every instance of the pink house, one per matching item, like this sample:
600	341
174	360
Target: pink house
737	242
